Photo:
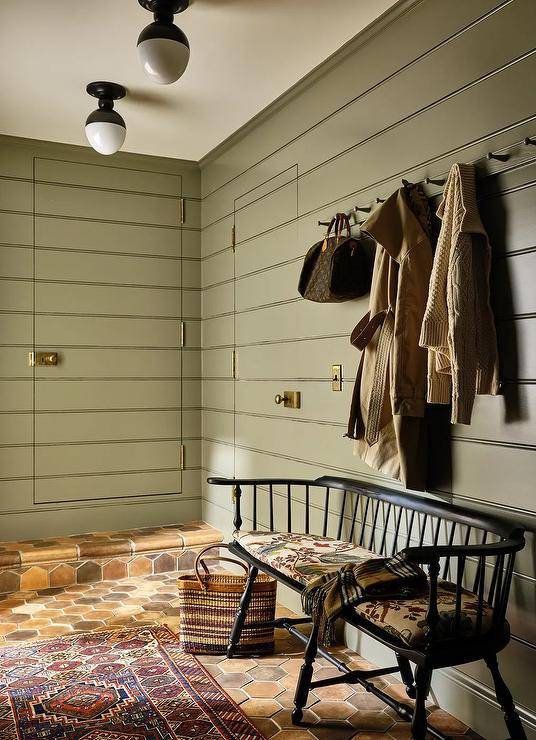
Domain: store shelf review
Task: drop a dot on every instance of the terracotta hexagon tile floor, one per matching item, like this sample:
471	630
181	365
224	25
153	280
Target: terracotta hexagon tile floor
262	687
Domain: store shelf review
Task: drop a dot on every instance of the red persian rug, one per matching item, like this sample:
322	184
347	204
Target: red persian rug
115	685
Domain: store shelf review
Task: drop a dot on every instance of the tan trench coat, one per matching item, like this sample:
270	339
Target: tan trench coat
388	406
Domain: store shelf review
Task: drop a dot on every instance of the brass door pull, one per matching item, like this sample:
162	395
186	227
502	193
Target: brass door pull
289	399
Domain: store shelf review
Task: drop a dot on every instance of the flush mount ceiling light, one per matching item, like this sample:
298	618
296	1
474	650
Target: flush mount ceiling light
105	128
163	48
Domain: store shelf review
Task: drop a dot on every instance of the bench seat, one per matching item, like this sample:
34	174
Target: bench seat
303	556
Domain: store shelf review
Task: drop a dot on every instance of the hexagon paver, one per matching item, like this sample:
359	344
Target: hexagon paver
260	707
371	720
334	693
17	618
284	718
29	608
233	680
237	695
234	665
266	726
295	734
263	689
267	673
445	722
20	635
334	710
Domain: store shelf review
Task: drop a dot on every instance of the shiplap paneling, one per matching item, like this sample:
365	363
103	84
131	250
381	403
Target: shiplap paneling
96	265
418	91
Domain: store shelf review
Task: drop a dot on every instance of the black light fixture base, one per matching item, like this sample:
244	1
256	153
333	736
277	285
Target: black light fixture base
173	6
106	90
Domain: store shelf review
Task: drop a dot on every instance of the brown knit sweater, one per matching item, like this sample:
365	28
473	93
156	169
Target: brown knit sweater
458	327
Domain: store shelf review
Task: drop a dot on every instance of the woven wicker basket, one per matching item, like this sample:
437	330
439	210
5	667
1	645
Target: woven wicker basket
208	604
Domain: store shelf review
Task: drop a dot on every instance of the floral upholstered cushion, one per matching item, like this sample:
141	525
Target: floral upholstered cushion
405	618
303	556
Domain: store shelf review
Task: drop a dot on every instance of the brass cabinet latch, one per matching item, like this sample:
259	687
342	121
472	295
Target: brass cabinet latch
336	377
289	399
41	359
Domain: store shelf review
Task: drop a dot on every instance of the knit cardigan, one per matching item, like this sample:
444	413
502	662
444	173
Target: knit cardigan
458	326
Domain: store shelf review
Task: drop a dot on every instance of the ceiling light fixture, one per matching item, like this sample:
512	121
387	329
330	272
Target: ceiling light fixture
105	128
163	48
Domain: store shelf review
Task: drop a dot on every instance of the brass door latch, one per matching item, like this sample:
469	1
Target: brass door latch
41	359
289	399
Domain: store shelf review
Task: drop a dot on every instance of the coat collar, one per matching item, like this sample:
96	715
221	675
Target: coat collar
394	226
460	195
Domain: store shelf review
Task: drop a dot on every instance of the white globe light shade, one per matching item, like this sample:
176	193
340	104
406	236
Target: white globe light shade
163	51
105	137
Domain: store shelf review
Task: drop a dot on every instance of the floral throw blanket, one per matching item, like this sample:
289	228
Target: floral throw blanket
327	595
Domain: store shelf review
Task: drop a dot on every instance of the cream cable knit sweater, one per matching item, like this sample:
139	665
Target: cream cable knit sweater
458	327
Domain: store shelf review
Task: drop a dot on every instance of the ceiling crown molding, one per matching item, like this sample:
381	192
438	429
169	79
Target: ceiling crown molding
361	39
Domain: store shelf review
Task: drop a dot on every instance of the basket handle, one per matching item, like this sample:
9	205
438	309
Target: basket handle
199	562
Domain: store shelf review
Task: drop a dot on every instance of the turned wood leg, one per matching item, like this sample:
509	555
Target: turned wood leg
418	726
504	697
407	675
241	614
305	677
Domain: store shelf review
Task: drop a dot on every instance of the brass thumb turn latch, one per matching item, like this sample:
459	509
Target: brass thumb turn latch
39	359
289	399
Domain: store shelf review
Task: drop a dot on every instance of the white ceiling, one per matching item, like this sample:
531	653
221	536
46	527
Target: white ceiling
245	53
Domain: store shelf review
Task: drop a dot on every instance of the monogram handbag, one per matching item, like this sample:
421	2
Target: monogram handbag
339	268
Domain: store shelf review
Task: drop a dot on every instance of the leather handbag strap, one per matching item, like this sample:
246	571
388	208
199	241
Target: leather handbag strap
360	337
379	378
333	223
355	428
341	221
345	222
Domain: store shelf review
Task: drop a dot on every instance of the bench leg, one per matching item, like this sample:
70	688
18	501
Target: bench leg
418	726
407	675
504	697
241	614
305	677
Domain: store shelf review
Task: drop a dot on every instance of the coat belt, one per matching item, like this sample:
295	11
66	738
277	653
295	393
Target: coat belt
362	334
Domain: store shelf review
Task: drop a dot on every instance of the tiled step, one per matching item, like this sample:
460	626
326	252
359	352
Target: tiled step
101	556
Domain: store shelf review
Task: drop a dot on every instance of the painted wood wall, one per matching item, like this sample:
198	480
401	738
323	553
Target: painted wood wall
96	265
430	84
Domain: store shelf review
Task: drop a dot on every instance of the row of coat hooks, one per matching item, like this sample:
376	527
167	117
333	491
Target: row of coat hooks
501	157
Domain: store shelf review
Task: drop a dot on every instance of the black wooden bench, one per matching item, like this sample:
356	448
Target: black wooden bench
459	618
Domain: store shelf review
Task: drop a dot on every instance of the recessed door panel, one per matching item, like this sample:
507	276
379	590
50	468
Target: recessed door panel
108	300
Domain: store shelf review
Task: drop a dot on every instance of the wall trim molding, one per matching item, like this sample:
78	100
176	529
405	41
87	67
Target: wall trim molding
363	37
485	695
121	159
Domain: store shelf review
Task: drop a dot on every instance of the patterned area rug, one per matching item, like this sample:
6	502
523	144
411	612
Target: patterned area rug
114	685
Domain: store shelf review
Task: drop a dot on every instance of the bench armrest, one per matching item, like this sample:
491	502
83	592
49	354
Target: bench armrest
432	553
498	551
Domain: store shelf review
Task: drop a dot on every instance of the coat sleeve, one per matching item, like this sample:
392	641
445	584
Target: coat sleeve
462	330
409	367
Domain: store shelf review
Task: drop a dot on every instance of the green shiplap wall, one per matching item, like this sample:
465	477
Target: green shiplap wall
431	83
96	265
